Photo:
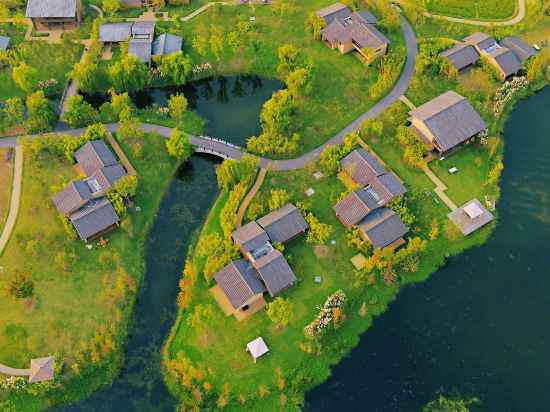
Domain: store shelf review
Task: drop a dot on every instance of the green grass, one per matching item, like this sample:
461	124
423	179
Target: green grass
6	174
474	9
71	307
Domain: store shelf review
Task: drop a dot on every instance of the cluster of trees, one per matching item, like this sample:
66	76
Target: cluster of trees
123	189
128	74
233	171
318	232
388	69
214	39
329	160
79	112
178	145
217	252
400	206
414	149
430	62
87	72
278	121
40	113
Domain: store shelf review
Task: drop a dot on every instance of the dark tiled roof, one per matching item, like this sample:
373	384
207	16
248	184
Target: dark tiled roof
506	60
383	227
250	236
366	35
107	176
355	206
480	40
336	31
239	281
388	187
521	49
362	166
275	272
141	49
366	17
4	42
95	217
166	44
114	32
73	197
51	8
461	55
143	29
450	118
93	156
336	10
284	224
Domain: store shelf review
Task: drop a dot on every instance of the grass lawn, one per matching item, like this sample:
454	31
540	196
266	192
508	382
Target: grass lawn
6	176
474	9
341	84
82	305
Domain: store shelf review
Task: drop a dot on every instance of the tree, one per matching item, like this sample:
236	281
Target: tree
288	59
314	25
318	232
79	112
178	106
14	111
126	186
25	77
233	171
279	311
86	73
434	229
176	66
122	105
329	160
41	114
128	74
21	286
279	198
298	81
217	40
276	115
414	154
111	6
178	145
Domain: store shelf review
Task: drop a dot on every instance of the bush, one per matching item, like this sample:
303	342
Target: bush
234	171
334	303
279	311
41	114
79	112
178	145
21	286
318	232
126	186
279	198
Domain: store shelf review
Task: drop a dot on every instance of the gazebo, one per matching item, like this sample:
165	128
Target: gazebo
470	216
257	348
42	369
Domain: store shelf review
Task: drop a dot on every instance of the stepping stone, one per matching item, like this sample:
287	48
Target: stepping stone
310	192
318	175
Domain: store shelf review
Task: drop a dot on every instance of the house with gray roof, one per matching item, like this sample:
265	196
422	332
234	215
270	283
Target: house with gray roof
166	44
446	122
284	224
47	14
250	237
383	228
274	271
93	156
141	42
75	195
521	49
461	55
241	285
349	31
504	61
114	33
356	205
94	219
480	41
4	42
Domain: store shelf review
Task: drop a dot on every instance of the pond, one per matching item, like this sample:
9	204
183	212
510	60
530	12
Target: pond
479	326
140	386
230	104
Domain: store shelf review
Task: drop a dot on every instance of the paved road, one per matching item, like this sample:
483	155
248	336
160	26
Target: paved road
217	147
514	20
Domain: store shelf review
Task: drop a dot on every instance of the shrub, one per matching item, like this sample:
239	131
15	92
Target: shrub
314	25
21	286
178	145
329	160
279	311
279	198
126	186
79	112
41	114
318	232
233	171
325	318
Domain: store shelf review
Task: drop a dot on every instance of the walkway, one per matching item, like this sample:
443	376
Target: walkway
202	9
15	198
250	195
440	188
6	370
487	23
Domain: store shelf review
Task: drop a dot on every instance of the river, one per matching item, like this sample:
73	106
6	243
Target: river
236	102
478	326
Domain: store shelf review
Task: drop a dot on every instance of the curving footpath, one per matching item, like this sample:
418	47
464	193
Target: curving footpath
231	151
514	20
15	198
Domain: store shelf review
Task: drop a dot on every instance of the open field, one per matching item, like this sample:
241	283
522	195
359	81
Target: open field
474	9
6	178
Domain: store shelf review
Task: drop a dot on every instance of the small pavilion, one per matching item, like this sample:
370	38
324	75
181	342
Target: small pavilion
470	217
257	348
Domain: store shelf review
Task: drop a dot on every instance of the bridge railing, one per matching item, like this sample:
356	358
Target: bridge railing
213	139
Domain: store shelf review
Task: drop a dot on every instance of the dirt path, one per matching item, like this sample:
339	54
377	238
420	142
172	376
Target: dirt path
250	195
15	198
510	22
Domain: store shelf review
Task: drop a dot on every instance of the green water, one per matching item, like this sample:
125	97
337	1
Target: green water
478	326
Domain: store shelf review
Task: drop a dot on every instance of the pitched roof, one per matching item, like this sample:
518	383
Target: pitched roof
257	348
480	40
362	166
366	17
355	206
95	217
250	236
275	272
239	281
461	55
166	44
284	224
336	31
93	156
336	10
450	118
51	8
75	195
506	60
353	27
388	187
4	42
42	369
114	32
143	30
521	49
107	176
141	49
382	227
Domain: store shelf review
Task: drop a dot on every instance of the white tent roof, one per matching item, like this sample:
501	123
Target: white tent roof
257	348
473	210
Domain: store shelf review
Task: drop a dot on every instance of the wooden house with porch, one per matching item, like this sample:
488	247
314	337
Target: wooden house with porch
54	14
